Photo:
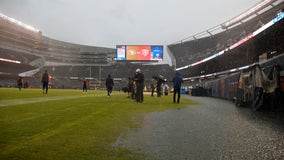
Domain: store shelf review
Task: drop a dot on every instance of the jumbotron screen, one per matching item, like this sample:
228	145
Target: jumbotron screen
139	52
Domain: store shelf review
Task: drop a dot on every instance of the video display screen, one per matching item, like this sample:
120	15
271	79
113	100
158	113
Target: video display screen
139	52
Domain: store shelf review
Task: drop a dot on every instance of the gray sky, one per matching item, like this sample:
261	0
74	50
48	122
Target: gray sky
107	23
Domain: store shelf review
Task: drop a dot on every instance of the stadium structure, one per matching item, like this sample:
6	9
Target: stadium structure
224	61
207	59
26	52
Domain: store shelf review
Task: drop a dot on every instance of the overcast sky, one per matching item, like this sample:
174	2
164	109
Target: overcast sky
107	23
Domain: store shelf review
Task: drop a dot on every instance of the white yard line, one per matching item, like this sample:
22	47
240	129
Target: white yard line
5	103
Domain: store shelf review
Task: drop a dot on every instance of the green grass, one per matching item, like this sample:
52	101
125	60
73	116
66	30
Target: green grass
66	124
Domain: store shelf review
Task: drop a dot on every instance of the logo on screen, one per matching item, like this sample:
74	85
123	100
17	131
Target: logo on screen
145	52
132	52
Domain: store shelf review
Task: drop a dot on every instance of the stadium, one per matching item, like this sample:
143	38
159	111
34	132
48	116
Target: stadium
27	53
240	60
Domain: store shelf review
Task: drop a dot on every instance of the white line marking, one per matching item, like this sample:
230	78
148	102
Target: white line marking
5	103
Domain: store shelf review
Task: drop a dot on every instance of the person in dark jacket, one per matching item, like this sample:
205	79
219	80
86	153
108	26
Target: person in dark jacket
177	80
159	87
130	88
20	83
139	82
45	80
85	84
160	80
109	85
152	88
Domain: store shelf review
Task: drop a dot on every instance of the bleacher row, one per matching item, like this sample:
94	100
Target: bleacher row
14	68
16	55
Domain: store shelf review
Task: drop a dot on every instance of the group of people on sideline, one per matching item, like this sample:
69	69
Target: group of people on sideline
135	86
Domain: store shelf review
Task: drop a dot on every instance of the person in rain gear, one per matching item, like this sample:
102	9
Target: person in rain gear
177	80
109	85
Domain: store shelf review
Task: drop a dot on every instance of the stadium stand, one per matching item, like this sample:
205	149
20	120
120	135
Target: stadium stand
68	63
192	51
31	50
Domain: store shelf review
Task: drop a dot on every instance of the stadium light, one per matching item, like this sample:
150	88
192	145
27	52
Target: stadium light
28	27
9	60
181	68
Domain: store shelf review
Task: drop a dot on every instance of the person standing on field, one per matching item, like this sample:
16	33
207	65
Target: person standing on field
177	80
20	83
85	83
109	85
45	80
152	89
139	82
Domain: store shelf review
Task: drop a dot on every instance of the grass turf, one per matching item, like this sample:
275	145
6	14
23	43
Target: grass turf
66	124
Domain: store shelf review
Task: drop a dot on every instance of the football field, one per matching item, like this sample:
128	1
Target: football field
67	124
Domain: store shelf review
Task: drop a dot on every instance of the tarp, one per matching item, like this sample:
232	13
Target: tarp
256	85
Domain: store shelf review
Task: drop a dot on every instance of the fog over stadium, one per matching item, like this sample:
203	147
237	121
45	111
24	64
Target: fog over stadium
111	22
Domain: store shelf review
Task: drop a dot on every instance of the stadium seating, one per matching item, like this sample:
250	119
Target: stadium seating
189	52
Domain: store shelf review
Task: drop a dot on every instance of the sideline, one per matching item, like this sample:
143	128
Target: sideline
5	103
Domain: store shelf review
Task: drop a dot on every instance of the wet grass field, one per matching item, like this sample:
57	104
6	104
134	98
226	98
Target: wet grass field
67	124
